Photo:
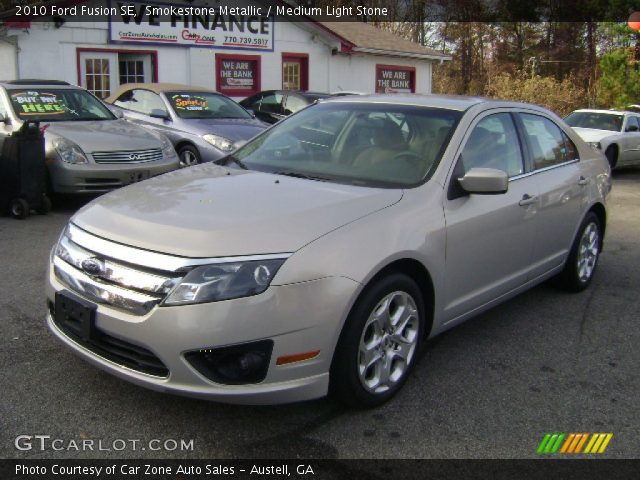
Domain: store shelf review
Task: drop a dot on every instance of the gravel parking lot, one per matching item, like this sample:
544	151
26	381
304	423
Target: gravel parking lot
546	361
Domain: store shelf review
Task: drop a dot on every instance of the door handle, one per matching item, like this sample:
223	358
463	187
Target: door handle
583	181
528	200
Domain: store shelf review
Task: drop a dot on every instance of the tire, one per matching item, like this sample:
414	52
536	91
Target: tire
351	381
19	208
612	156
583	258
46	205
189	156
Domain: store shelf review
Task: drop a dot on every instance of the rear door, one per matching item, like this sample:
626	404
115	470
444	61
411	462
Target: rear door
489	237
555	168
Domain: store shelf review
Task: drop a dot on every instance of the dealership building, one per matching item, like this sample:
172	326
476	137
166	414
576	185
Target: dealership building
237	55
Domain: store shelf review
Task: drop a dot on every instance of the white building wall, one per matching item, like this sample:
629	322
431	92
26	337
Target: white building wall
8	59
48	52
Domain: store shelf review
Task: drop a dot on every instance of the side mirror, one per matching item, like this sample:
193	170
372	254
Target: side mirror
159	113
632	128
485	181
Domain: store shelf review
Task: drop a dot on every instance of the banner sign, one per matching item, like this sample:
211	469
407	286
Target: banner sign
237	75
390	79
228	27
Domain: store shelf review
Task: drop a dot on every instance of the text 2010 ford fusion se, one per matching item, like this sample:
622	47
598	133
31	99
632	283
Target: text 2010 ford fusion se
321	255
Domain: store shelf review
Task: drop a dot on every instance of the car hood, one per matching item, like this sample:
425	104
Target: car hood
105	135
234	129
213	211
593	135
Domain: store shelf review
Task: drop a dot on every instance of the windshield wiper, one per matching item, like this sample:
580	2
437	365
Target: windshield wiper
228	158
306	176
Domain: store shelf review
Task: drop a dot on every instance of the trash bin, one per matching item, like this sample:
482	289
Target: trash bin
23	173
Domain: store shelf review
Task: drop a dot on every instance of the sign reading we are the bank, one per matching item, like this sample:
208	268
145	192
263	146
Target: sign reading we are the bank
232	25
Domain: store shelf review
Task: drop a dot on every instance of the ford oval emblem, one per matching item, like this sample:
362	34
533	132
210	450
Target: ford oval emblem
93	266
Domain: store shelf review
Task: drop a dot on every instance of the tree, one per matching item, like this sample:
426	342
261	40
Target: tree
620	79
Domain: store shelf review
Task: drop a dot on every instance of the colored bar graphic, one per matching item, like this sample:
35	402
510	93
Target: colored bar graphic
574	443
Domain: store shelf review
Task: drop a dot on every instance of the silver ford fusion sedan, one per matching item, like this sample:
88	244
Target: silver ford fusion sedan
320	256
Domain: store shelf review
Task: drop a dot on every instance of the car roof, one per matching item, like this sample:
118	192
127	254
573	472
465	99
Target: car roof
159	88
36	83
611	112
451	102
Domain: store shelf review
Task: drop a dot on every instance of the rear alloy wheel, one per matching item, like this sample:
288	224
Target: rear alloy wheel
583	258
189	156
379	344
19	208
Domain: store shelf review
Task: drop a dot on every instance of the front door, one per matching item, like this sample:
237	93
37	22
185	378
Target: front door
294	72
99	72
489	237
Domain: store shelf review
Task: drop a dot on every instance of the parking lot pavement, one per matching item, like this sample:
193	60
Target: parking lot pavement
546	361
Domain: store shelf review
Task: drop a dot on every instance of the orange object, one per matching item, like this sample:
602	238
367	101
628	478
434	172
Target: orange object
634	21
297	357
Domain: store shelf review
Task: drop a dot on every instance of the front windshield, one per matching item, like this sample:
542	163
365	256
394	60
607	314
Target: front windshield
364	144
205	105
595	120
57	105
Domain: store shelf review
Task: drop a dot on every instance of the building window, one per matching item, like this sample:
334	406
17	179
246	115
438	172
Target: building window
395	79
295	71
131	71
237	75
102	71
97	76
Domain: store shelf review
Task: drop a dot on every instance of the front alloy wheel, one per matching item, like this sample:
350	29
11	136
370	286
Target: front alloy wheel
379	343
188	156
388	342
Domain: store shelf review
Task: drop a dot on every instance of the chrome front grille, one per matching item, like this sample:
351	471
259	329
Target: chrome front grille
95	274
128	156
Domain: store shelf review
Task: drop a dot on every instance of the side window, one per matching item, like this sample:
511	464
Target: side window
271	103
546	141
252	103
571	149
494	143
141	101
294	103
632	124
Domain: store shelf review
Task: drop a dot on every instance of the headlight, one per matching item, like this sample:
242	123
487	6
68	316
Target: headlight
595	145
69	151
166	145
220	143
223	281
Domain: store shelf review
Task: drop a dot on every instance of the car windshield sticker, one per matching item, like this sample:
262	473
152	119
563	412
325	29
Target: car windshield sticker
190	102
38	103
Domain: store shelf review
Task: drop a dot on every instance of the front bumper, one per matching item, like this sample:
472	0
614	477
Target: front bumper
100	178
298	318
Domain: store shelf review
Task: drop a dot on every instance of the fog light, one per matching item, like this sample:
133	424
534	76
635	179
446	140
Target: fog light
235	365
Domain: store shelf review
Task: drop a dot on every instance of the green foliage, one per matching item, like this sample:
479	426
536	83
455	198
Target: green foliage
620	79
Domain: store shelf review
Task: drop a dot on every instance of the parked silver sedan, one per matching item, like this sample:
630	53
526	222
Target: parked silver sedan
615	133
321	256
203	125
88	149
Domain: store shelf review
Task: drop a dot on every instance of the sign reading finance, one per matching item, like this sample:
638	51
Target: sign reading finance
229	27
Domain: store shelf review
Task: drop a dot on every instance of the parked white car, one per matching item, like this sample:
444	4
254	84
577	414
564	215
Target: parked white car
616	133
